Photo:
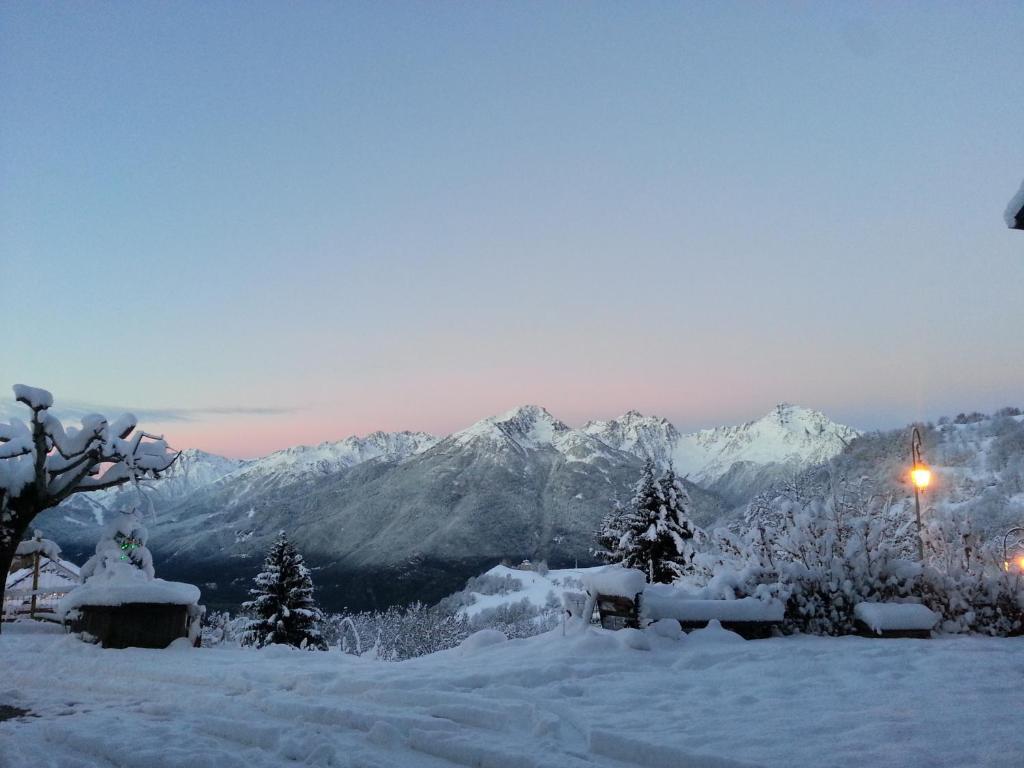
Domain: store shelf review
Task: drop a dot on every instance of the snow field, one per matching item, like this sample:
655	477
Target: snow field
589	698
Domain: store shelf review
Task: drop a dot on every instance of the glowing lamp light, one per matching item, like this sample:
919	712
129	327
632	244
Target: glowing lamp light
922	477
1020	563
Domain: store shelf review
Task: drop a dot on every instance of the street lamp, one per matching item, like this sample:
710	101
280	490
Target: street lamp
1019	562
921	477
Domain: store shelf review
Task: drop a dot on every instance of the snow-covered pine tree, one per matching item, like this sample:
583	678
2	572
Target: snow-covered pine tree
658	536
609	536
678	535
283	609
653	532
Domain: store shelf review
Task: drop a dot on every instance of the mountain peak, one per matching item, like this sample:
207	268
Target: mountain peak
527	426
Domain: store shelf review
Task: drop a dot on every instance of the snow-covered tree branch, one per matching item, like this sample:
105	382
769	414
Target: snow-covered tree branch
42	462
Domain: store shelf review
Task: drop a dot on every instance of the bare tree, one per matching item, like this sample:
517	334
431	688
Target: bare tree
42	463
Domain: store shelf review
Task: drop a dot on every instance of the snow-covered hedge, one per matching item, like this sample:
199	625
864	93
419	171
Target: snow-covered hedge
822	550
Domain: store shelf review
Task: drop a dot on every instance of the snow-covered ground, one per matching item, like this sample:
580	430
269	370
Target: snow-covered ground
503	586
588	698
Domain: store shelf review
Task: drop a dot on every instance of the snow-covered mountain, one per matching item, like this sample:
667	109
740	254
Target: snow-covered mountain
788	434
311	461
391	515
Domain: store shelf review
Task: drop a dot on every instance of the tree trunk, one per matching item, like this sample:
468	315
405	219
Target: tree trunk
6	558
35	584
12	535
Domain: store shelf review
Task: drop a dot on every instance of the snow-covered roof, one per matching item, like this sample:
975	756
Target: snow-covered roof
121	583
1014	215
54	576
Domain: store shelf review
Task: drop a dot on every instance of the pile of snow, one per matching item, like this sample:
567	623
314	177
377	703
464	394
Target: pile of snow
504	587
38	545
34	397
482	639
713	634
615	580
894	617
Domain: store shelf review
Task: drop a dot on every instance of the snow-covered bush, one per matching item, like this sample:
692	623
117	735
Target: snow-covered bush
820	556
123	544
824	546
283	609
222	628
519	619
396	634
965	581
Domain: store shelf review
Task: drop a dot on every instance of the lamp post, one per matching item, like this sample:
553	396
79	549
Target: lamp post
921	477
1006	560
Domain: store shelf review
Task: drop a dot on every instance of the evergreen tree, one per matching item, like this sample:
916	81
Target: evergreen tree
654	533
677	535
609	535
283	608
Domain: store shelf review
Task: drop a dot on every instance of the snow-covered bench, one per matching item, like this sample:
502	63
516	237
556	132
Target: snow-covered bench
623	598
749	617
895	619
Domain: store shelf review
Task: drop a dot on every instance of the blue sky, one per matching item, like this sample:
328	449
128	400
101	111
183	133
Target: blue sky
344	216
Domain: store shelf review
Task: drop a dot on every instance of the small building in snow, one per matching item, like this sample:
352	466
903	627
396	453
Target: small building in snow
56	577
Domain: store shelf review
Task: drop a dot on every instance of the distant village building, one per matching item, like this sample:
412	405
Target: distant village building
38	572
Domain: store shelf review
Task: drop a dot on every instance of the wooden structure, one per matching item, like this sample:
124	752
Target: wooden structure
36	584
621	612
133	625
865	631
747	629
618	612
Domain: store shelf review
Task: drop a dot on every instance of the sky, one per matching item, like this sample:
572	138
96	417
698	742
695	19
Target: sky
265	224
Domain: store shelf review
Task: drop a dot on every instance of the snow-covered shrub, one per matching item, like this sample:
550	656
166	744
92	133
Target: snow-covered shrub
396	634
519	619
822	548
283	609
122	545
222	628
965	581
820	556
